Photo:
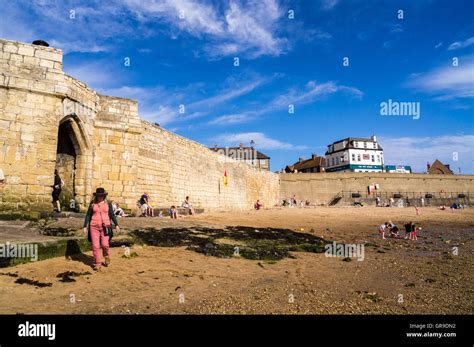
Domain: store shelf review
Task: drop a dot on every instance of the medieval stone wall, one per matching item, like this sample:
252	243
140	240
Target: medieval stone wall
110	145
171	167
320	188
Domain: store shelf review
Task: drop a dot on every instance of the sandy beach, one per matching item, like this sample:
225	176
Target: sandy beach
396	276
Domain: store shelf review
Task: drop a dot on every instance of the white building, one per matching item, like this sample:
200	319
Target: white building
355	155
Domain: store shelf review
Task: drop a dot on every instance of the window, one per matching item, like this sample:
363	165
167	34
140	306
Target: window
355	144
378	159
358	157
353	157
375	145
373	158
332	160
365	144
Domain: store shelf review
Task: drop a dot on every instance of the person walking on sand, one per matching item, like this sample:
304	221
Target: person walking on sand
98	226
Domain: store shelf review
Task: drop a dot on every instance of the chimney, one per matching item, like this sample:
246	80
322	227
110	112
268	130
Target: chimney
301	159
374	138
241	145
313	156
40	43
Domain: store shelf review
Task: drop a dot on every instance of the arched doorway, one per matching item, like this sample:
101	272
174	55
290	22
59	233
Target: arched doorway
66	155
72	156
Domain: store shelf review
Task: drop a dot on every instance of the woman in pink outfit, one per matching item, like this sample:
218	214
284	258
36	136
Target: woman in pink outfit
98	226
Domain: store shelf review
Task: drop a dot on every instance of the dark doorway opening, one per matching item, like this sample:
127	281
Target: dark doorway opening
66	155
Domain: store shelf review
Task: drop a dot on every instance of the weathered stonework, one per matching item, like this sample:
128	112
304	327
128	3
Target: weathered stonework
50	120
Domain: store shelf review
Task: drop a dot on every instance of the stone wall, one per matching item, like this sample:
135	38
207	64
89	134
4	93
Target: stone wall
171	167
111	145
320	188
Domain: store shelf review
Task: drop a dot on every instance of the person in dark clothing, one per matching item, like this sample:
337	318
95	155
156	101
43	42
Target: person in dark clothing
57	187
408	229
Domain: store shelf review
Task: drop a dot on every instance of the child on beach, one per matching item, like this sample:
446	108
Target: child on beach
408	227
393	229
413	232
173	212
382	229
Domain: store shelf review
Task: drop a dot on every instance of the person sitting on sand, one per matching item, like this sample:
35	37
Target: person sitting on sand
382	229
258	205
442	207
118	211
173	212
144	205
454	206
187	204
293	200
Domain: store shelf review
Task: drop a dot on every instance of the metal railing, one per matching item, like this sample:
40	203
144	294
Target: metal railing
403	194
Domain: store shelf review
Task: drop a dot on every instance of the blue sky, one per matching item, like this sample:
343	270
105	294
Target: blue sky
182	52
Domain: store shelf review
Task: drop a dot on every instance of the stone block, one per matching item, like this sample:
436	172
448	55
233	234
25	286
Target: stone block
43	54
26	51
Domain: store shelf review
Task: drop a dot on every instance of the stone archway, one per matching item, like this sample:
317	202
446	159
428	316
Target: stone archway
74	160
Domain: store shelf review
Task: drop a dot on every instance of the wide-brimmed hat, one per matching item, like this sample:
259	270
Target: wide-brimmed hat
100	191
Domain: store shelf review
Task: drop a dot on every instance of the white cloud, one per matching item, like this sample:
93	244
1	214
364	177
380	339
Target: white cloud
447	82
250	29
461	44
230	93
417	151
78	46
231	119
161	104
261	140
295	96
328	4
196	18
